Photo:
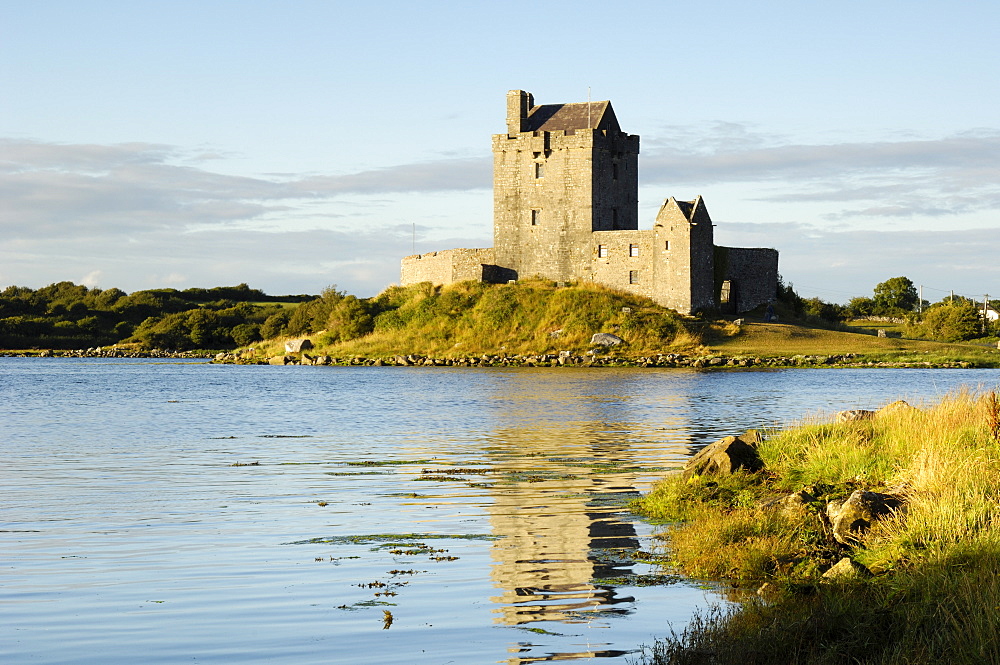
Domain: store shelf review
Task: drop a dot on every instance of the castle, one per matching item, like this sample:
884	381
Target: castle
565	208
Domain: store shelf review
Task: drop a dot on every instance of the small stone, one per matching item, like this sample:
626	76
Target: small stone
846	569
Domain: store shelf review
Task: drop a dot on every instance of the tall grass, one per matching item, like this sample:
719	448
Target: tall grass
935	593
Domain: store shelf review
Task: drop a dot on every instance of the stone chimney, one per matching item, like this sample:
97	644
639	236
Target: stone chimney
519	103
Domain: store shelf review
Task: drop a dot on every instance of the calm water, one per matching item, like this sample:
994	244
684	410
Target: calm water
482	508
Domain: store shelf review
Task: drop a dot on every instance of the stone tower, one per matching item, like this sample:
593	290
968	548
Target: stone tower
560	172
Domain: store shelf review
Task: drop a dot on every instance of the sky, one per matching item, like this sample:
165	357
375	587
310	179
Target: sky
299	145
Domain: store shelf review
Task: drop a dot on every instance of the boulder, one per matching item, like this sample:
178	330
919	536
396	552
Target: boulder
899	406
793	505
298	345
605	339
854	415
723	457
851	518
278	360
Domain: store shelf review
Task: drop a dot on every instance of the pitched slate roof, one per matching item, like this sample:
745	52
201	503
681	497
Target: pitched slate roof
555	117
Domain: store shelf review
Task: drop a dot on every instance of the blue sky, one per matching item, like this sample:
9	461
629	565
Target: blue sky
297	145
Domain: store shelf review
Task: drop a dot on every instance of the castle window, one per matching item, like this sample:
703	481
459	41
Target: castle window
633	276
539	170
666	245
614	171
633	250
614	218
602	251
536	217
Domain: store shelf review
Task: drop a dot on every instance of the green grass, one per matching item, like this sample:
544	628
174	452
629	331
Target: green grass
530	317
935	593
785	339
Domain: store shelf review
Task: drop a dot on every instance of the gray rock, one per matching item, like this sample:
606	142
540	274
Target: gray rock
298	345
899	406
792	505
723	457
605	339
851	519
854	415
846	569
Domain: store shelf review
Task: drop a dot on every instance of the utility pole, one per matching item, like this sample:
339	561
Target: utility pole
951	299
986	303
920	301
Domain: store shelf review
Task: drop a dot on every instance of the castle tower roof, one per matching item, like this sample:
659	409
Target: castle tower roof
556	117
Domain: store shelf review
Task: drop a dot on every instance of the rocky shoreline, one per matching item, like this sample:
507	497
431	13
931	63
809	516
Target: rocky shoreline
105	352
565	359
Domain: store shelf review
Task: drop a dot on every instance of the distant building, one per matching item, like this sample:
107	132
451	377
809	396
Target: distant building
565	208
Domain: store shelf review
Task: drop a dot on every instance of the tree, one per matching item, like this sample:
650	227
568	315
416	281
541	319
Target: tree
861	306
952	321
349	320
275	325
895	296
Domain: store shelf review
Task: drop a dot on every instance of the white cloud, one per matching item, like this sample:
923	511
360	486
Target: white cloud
956	175
146	215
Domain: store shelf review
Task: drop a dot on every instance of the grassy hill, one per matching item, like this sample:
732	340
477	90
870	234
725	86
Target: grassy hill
535	317
531	317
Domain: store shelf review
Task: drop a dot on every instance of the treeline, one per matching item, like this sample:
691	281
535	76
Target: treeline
953	319
70	316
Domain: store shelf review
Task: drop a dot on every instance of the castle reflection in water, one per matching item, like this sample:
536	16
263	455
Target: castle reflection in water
559	511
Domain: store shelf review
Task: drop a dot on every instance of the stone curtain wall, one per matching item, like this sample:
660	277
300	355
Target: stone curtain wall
754	271
450	265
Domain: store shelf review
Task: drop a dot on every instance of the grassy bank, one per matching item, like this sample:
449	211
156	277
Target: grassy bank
923	585
772	339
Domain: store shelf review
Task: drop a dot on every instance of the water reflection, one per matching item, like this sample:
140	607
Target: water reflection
551	516
571	455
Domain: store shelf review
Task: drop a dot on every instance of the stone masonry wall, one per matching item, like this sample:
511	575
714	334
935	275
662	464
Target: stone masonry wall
624	260
447	266
754	271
